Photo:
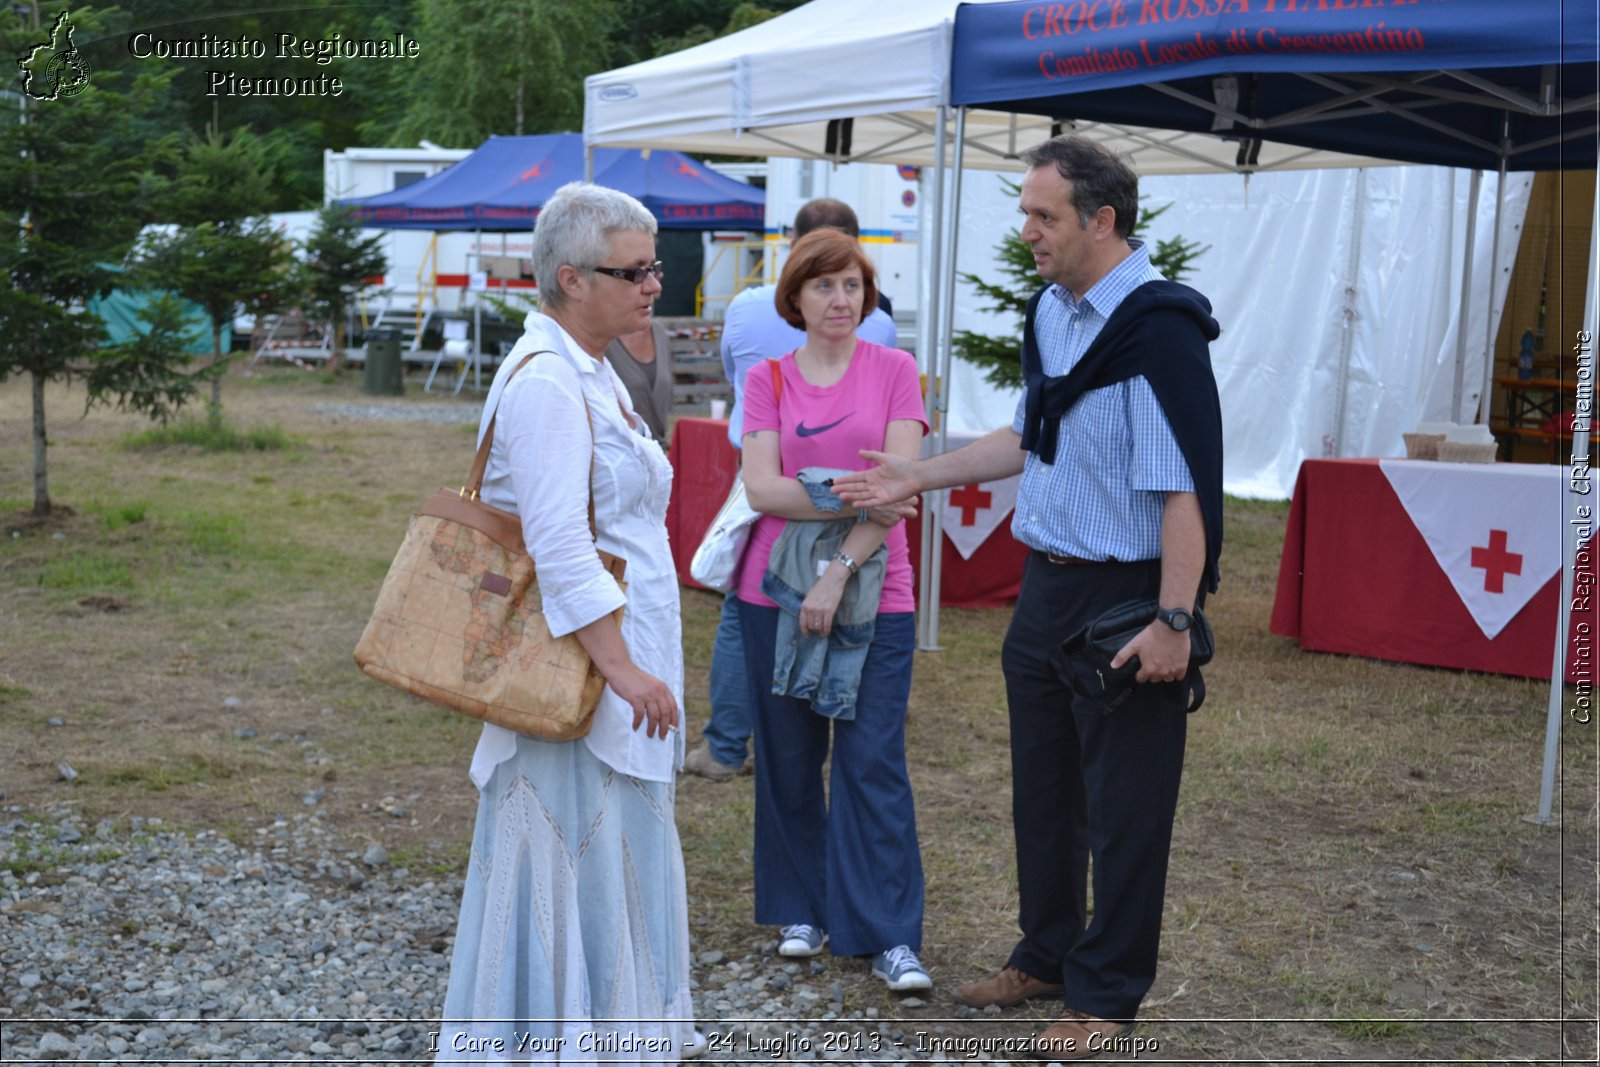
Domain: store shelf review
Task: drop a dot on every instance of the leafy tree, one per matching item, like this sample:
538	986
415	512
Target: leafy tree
338	261
301	125
502	67
739	18
1001	356
75	188
225	253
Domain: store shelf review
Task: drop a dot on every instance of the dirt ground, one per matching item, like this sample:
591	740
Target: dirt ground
1352	879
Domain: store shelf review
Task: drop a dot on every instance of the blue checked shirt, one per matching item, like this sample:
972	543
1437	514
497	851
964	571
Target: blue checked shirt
1117	460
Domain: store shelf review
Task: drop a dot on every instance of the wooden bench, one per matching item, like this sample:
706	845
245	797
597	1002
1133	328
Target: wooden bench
697	376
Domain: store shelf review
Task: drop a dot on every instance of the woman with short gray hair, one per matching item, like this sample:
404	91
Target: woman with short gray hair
573	940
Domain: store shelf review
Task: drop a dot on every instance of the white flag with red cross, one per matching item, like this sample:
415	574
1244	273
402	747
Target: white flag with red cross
1494	529
973	512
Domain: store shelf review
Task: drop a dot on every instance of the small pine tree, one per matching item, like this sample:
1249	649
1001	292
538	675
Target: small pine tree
77	180
150	373
225	254
338	261
1000	357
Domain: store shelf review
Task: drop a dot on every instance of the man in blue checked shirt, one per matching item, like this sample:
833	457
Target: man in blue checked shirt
1118	439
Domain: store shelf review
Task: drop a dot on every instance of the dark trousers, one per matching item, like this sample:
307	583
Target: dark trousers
1087	784
847	860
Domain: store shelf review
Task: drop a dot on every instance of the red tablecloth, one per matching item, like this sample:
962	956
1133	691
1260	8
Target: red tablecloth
1357	578
704	463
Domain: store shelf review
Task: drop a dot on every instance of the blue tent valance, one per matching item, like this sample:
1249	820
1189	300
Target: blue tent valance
1464	83
504	184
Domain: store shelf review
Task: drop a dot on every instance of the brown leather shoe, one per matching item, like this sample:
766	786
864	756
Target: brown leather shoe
1006	990
1077	1035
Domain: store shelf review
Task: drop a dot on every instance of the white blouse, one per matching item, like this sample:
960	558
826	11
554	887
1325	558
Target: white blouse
539	469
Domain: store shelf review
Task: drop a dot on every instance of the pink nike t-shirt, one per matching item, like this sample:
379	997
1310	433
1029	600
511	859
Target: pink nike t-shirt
828	427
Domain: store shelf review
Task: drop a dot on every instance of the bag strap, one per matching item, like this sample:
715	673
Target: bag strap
777	380
480	462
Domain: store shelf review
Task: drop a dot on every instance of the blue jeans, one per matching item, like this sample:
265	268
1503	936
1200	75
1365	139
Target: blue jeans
844	857
728	732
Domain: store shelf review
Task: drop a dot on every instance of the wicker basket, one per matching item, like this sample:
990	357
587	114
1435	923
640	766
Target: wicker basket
1467	452
1423	445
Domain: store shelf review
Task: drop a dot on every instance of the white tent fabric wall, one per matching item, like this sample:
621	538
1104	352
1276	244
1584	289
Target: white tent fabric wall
1277	271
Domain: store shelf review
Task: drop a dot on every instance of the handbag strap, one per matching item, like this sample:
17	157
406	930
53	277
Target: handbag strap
480	462
777	380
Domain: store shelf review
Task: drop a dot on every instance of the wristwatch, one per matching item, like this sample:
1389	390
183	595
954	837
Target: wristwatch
850	564
1176	618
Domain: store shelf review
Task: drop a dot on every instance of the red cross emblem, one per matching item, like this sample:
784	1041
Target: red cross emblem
970	499
1496	562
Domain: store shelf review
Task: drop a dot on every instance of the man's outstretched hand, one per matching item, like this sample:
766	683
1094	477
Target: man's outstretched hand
893	479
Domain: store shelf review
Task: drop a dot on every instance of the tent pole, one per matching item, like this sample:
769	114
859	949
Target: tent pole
1347	338
477	318
931	248
934	521
1578	485
588	162
1494	279
1466	294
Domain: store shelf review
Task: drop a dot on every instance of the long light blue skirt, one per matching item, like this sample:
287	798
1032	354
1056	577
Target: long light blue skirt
573	944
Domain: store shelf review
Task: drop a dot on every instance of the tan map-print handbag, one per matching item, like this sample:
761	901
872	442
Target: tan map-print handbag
460	621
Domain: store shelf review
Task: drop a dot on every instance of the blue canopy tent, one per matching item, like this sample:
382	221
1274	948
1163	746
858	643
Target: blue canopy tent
503	185
1465	83
1459	83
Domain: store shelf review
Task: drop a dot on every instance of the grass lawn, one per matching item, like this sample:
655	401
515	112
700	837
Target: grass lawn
1352	879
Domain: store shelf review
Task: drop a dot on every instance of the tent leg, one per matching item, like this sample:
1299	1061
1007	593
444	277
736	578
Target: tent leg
1466	295
934	509
1347	339
1490	318
927	608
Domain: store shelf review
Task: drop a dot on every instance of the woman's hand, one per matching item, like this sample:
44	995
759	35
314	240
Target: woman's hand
816	612
650	698
891	515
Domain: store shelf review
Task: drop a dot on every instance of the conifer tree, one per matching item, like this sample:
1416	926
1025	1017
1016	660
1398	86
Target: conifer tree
1000	357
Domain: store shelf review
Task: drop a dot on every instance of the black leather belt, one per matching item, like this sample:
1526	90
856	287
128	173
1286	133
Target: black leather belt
1072	561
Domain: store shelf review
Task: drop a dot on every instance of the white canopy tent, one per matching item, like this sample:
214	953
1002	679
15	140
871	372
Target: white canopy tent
862	83
847	82
839	81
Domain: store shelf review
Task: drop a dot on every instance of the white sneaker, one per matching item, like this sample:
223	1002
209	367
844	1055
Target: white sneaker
901	969
695	1046
800	940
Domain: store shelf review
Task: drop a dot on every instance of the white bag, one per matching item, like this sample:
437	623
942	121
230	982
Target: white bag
716	561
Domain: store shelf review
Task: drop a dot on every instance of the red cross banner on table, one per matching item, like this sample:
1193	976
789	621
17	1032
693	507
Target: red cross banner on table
973	512
1499	543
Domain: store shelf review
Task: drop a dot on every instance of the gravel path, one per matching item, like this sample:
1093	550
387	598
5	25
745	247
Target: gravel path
132	942
401	411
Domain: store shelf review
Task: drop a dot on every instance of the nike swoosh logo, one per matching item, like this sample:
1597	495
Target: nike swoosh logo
803	430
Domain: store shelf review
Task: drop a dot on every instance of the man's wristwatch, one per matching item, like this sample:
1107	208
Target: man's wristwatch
1176	618
851	565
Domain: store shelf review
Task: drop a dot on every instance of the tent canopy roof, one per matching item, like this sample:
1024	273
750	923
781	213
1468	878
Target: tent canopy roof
1462	83
504	184
840	80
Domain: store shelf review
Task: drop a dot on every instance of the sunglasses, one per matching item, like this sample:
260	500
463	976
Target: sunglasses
633	275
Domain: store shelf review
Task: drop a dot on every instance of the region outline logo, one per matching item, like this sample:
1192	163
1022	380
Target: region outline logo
54	69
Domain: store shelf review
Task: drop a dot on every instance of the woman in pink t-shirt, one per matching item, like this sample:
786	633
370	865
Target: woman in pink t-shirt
843	865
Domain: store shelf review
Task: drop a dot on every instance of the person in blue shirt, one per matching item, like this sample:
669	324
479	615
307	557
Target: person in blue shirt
752	331
1118	439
